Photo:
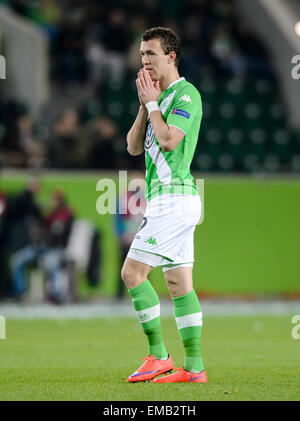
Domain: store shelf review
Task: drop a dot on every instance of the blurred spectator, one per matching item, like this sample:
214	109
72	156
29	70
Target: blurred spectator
49	241
47	14
2	243
97	63
24	233
99	141
69	49
11	150
138	24
225	51
45	241
103	62
63	145
90	41
2	210
107	47
58	225
19	144
33	149
255	55
116	41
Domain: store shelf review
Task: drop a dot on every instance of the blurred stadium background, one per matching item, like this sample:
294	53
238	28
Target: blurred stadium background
69	98
66	104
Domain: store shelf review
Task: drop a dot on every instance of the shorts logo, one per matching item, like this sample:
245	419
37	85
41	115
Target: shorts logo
181	112
151	241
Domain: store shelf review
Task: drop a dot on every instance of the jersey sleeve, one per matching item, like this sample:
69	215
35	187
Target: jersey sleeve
185	107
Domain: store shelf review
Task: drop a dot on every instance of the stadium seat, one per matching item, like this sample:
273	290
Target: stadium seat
252	162
271	162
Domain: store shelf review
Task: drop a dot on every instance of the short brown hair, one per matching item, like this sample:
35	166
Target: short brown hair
168	39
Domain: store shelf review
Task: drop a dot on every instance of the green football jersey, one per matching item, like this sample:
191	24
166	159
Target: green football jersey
169	172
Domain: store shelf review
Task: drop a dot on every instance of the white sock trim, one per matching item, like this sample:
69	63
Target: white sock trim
148	314
194	319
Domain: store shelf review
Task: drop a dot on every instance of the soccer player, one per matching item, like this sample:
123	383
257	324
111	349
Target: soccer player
166	128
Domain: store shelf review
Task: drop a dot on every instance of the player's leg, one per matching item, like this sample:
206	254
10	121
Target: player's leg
18	262
179	280
134	273
147	307
188	317
188	314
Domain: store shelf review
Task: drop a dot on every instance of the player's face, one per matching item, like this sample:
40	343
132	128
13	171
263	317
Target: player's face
154	59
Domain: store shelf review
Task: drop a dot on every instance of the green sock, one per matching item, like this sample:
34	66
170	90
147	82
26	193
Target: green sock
147	307
188	317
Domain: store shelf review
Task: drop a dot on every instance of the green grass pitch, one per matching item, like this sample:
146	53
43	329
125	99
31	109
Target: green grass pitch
246	358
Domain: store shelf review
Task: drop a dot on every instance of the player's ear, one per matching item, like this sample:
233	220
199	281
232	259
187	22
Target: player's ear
172	57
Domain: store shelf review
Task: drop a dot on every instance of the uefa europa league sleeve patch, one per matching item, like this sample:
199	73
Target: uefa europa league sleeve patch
181	112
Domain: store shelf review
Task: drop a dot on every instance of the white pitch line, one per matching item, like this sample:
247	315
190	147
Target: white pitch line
112	309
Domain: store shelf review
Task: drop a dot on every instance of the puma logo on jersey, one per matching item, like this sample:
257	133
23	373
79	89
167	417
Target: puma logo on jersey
186	98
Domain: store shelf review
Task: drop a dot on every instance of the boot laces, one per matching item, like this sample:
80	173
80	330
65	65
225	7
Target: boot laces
147	359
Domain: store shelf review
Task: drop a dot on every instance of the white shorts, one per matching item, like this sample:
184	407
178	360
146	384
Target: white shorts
166	235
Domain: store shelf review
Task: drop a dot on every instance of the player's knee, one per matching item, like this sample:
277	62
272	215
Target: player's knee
172	282
130	277
124	274
178	288
172	285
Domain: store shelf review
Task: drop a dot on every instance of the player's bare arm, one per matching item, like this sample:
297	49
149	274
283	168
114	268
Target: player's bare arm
149	91
136	135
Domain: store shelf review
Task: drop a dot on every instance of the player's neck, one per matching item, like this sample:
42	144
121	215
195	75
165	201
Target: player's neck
169	78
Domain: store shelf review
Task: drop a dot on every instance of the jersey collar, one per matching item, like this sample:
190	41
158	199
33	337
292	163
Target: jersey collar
176	81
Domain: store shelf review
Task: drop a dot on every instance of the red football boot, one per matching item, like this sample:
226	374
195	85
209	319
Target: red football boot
151	368
183	376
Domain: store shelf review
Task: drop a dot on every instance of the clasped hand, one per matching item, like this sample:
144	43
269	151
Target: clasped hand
148	90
